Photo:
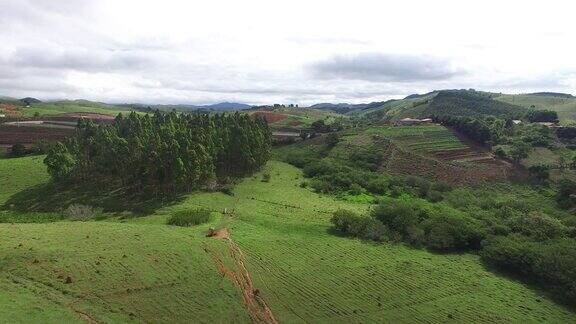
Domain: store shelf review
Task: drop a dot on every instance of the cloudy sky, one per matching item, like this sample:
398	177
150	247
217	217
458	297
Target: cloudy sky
281	51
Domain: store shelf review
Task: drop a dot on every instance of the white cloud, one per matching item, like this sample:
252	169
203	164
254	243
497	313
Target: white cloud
259	51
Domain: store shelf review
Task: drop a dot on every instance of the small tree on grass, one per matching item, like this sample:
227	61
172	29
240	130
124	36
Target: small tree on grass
18	150
189	217
540	172
519	151
59	162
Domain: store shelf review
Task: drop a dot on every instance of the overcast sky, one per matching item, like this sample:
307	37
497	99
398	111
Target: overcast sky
282	51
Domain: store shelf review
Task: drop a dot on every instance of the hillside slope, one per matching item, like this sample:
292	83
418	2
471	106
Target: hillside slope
143	270
564	105
445	102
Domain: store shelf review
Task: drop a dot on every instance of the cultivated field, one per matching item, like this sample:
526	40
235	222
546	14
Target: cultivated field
294	118
141	269
30	134
431	151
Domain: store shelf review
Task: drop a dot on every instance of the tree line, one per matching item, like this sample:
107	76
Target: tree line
168	152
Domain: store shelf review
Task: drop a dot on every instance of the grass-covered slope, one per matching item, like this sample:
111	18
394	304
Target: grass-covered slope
564	105
112	272
309	275
70	106
144	270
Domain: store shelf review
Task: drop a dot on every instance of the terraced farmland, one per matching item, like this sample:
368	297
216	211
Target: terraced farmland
431	151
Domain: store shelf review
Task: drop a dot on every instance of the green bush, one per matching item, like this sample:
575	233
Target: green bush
399	215
538	226
189	217
434	196
377	185
540	172
451	232
349	223
18	150
266	177
552	262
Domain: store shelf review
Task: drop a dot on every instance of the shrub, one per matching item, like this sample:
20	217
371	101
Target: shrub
189	217
378	185
540	172
227	189
506	252
399	215
18	150
434	196
349	223
450	232
82	212
356	189
538	226
551	262
332	139
499	152
565	197
266	177
299	160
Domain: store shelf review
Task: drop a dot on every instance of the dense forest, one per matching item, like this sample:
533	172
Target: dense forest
169	152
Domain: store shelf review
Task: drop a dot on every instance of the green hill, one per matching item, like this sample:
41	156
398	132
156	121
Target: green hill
446	102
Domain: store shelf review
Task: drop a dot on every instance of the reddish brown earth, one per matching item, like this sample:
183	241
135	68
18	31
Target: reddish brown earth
254	301
10	110
270	117
12	134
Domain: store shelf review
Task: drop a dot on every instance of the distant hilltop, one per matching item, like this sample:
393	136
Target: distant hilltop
552	94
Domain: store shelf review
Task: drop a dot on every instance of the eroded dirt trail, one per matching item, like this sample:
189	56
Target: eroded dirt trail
253	300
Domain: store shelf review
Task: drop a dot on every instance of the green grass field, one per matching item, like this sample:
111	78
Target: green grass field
141	269
565	107
61	107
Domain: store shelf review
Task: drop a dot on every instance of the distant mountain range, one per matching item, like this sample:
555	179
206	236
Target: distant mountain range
222	106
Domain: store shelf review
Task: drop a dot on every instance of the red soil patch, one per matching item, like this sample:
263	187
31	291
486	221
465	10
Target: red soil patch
221	234
254	301
295	123
444	168
9	110
270	117
11	134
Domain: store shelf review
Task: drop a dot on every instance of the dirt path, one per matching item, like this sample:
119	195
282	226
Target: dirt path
253	300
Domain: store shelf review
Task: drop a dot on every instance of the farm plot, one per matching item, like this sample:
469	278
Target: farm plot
435	140
269	116
12	134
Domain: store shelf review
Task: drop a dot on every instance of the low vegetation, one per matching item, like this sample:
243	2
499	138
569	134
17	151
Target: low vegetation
189	217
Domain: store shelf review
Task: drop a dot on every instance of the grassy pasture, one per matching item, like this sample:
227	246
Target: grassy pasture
143	270
307	274
60	107
565	107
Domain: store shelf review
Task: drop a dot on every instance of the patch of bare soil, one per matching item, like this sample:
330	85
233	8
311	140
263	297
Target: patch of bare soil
253	299
221	234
